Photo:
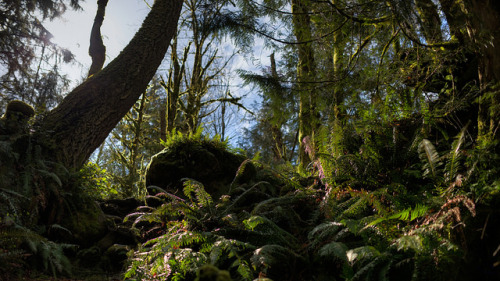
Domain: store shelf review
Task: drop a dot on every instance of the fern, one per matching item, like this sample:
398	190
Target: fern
271	259
429	155
409	214
413	242
45	255
454	157
334	250
323	233
202	197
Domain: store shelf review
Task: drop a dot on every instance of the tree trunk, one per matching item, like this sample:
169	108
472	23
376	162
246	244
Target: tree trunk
83	120
431	23
476	24
279	148
484	31
305	74
455	17
97	50
173	88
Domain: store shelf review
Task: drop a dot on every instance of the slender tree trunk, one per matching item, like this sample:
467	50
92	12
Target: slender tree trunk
279	149
173	88
83	120
134	158
305	74
97	50
163	124
337	114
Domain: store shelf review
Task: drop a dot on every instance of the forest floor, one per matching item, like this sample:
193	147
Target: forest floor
87	276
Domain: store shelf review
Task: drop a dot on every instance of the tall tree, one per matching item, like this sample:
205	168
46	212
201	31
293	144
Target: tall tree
482	35
83	120
306	73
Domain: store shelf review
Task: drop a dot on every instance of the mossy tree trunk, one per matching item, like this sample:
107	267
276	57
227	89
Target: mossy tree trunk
83	120
476	24
173	88
306	72
431	23
483	28
279	147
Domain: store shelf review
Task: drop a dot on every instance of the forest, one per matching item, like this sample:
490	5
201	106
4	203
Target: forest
364	146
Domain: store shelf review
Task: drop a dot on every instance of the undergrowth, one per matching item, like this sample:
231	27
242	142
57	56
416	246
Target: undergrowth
334	227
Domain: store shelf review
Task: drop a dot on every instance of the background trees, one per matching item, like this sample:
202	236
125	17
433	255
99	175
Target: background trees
30	62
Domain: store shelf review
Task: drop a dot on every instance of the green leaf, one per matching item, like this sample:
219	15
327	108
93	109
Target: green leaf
253	222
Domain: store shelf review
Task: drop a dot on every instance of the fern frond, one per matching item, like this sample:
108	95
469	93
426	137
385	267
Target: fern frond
454	157
368	271
406	242
324	232
275	234
335	250
428	153
270	257
357	209
202	197
411	214
360	253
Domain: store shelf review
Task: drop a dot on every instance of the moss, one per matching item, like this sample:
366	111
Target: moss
212	273
15	119
85	220
21	107
208	162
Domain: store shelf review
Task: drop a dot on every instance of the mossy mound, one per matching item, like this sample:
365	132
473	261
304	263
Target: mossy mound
208	162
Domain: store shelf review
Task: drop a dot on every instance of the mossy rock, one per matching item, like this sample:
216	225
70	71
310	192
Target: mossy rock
206	162
15	119
212	273
86	221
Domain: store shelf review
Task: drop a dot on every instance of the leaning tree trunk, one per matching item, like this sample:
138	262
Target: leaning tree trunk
83	120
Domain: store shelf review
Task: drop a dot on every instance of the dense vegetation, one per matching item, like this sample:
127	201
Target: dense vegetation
371	152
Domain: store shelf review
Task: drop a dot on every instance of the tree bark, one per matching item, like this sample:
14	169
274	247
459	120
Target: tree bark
279	148
305	74
484	30
455	17
83	120
97	50
477	26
